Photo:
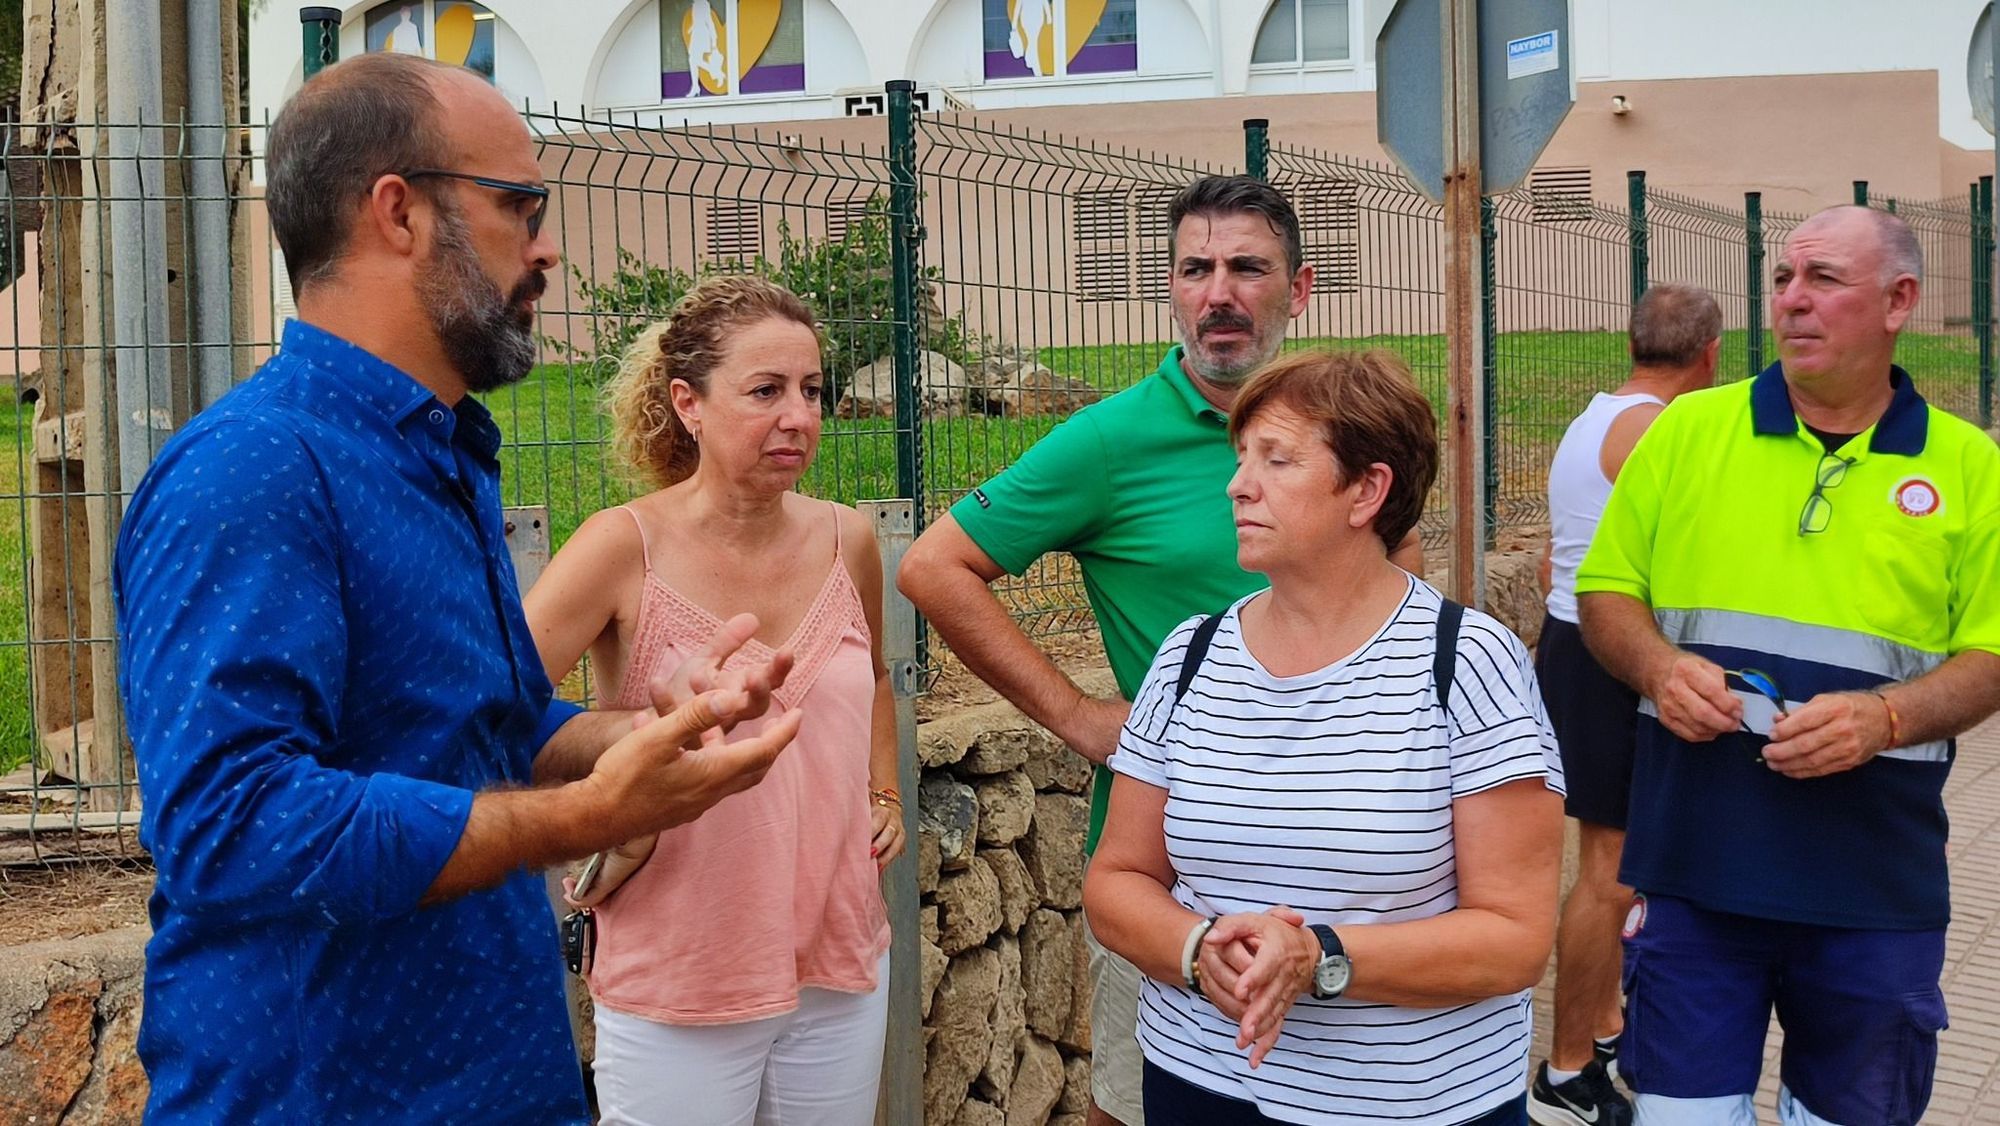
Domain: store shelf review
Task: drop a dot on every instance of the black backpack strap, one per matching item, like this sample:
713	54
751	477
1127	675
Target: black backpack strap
1197	649
1444	663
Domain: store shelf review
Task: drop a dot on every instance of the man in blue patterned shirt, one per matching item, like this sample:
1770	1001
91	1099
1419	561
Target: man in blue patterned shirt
332	693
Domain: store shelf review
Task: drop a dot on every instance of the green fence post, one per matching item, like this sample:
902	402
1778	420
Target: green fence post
1753	238
906	234
321	33
1860	193
1489	381
1982	292
1256	147
1635	194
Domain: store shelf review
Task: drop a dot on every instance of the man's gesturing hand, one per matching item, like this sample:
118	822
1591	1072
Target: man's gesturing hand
740	694
671	770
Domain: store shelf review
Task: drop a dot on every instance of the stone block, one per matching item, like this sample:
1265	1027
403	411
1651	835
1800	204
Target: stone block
1003	748
1006	807
1059	768
69	1022
978	1113
1053	849
927	859
968	907
961	1036
949	811
1010	1025
934	962
927	922
1076	1086
1076	1034
1018	897
871	390
1514	593
1038	1083
1046	984
942	742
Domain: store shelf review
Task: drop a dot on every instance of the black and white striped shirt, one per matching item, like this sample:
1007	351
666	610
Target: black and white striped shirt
1332	793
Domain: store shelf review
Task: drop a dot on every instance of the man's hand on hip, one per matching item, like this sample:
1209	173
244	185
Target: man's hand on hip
1693	700
1093	726
1827	734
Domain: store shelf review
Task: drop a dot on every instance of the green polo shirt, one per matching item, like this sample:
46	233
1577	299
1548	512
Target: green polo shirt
1136	488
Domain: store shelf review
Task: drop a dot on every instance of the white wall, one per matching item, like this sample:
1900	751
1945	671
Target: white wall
599	54
1715	38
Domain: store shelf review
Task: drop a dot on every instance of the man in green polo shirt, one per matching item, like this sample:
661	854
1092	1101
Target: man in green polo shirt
1135	488
1801	575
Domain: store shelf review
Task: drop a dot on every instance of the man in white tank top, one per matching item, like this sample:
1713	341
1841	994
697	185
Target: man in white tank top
1675	335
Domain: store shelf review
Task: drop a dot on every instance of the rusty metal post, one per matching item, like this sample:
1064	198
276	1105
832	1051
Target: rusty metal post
1463	266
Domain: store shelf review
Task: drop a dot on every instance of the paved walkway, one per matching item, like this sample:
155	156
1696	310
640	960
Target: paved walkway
1968	1070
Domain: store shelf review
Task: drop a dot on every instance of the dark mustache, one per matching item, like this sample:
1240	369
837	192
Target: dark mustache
528	289
1223	319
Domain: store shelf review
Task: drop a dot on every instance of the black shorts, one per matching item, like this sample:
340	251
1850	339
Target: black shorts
1595	717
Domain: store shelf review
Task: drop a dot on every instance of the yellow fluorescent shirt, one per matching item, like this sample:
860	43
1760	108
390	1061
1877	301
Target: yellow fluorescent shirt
1706	516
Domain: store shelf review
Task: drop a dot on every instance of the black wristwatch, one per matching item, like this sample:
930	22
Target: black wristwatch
1330	977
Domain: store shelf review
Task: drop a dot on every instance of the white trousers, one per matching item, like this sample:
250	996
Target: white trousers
818	1065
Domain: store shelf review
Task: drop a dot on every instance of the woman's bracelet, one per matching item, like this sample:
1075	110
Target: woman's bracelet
1190	972
886	797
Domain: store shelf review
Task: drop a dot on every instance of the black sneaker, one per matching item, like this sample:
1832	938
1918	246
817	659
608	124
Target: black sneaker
1607	1055
1587	1100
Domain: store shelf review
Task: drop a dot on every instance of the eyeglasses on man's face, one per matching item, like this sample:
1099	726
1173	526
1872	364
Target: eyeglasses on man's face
1818	512
536	192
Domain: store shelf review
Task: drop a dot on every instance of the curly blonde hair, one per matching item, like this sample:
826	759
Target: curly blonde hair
646	432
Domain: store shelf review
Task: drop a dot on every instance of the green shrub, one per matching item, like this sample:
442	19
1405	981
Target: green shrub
849	282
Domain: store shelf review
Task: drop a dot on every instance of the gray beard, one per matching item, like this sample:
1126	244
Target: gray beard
488	343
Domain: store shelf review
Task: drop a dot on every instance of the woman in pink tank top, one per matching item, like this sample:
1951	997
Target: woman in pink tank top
741	958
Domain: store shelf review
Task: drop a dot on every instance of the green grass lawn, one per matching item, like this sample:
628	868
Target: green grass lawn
557	444
16	722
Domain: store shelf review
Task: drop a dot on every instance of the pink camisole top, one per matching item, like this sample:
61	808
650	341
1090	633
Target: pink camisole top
773	889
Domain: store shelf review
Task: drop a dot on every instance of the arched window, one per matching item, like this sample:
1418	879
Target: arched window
714	48
1050	38
451	31
1301	33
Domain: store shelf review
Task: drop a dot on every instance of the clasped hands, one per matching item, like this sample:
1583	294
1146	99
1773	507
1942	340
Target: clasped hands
1253	966
1831	732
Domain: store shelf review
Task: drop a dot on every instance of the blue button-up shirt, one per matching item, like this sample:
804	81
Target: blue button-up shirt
323	658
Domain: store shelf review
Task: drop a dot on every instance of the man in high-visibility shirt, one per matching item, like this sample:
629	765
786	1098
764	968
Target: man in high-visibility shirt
1801	575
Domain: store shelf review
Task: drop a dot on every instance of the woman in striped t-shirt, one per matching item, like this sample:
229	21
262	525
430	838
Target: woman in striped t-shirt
1340	881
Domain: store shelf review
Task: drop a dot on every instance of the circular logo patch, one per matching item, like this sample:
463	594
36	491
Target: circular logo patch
1914	496
1635	919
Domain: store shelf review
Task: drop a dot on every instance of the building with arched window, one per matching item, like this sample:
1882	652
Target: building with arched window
1793	97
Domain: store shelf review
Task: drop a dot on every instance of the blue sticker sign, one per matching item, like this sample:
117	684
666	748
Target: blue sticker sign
1531	54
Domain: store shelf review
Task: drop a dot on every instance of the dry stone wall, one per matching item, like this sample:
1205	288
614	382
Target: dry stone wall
69	1023
1002	813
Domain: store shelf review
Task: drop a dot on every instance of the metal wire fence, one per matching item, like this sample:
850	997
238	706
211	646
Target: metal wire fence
102	363
1049	256
977	283
1376	246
